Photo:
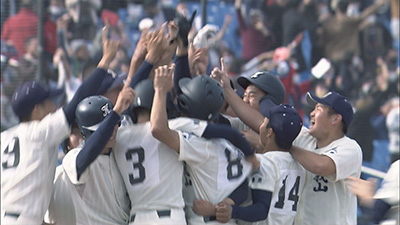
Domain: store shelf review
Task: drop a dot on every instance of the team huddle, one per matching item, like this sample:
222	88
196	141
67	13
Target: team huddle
176	149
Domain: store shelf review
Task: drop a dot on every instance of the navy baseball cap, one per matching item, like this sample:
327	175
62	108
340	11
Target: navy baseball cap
111	81
337	102
265	106
29	94
286	123
267	82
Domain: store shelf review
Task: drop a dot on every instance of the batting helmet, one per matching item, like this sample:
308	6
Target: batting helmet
144	98
267	82
202	97
144	95
90	113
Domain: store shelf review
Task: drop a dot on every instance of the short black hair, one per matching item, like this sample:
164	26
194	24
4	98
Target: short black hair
279	143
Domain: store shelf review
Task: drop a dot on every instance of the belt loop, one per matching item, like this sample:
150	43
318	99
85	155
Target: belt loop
209	218
164	213
10	214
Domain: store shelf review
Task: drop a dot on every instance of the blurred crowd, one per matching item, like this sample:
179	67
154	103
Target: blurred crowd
347	46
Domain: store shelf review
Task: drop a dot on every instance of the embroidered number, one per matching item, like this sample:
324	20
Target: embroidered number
234	168
136	165
11	154
293	194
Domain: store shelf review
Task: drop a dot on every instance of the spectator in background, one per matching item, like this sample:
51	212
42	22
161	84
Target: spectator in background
18	28
84	18
80	56
159	14
369	104
256	37
28	64
392	123
274	12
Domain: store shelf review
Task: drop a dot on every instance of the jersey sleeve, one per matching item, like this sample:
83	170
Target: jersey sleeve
236	123
188	125
347	158
193	150
266	177
69	165
53	128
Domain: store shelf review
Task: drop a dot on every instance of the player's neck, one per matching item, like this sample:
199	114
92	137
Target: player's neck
273	147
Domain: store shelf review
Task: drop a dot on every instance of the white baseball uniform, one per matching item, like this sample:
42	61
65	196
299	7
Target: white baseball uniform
152	172
99	195
328	200
389	192
216	168
29	159
282	175
61	208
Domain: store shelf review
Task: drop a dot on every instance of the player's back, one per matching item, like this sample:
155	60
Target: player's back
29	159
286	177
216	168
150	170
98	194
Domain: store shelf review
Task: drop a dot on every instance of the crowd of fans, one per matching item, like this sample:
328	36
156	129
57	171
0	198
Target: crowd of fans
347	46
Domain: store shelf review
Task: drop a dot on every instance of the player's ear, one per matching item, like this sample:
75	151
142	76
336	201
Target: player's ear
337	118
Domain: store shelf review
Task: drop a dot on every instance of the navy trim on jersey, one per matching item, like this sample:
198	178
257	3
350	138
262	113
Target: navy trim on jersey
142	73
88	87
182	70
228	133
239	195
96	142
380	209
222	120
258	210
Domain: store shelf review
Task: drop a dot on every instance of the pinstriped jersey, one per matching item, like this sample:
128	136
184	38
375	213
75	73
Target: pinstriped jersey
215	167
150	169
29	158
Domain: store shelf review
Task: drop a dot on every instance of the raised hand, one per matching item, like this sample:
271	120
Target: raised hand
110	48
184	26
164	78
221	76
125	98
157	45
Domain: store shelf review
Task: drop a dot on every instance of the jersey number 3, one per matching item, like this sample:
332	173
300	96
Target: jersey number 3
11	154
137	164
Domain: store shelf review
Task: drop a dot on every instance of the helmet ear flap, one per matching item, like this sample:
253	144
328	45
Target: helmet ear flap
183	103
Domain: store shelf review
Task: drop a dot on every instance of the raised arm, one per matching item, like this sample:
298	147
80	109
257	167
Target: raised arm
163	83
91	85
251	117
97	142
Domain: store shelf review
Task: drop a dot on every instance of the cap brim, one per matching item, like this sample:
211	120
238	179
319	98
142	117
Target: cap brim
118	81
244	82
312	99
265	107
55	92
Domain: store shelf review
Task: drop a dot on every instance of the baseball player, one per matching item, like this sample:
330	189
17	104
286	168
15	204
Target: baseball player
277	186
29	150
329	157
93	178
385	202
216	167
151	171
